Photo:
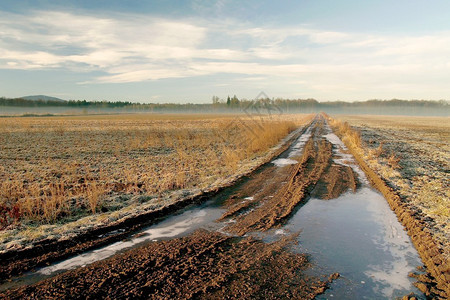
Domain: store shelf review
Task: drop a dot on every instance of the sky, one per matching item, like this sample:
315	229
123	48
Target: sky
188	51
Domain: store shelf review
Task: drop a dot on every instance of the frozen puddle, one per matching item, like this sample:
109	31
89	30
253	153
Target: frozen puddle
297	149
281	162
342	158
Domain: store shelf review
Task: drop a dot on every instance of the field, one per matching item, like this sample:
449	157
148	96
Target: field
57	170
224	206
412	155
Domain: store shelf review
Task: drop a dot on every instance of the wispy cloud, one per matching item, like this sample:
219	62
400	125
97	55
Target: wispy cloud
64	38
134	48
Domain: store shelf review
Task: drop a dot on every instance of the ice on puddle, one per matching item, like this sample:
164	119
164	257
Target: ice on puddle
281	162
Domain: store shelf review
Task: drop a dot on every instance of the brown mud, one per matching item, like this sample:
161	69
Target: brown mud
203	265
315	175
16	262
336	180
436	283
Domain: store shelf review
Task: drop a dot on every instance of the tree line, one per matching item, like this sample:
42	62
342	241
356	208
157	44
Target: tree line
310	105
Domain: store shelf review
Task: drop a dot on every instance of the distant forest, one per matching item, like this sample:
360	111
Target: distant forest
395	106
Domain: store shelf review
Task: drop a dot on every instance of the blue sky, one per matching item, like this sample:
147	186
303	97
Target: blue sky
188	51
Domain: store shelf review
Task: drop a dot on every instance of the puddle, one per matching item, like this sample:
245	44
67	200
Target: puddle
281	162
358	236
342	157
176	226
297	148
334	139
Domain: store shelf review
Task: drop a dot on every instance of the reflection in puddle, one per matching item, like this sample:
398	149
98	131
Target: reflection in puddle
395	241
347	235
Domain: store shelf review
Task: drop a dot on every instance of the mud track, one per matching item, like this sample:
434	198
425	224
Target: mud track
315	174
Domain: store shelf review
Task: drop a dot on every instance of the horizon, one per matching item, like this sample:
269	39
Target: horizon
158	52
223	100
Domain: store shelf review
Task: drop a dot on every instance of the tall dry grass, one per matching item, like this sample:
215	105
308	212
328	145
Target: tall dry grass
349	135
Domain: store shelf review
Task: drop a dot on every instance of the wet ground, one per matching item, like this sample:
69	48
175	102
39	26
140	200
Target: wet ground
285	232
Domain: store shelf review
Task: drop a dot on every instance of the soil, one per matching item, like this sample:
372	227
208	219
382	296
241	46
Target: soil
203	265
336	180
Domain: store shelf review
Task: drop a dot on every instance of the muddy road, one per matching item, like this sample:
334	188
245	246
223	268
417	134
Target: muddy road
307	225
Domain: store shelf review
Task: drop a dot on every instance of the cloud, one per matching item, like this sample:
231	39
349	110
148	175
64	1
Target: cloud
64	38
134	48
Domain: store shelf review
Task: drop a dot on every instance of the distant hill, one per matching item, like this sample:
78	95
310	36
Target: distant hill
43	97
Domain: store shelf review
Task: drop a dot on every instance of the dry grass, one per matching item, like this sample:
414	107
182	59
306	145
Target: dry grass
62	168
393	161
350	136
